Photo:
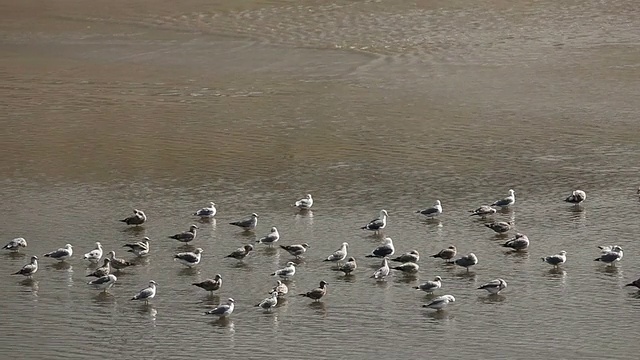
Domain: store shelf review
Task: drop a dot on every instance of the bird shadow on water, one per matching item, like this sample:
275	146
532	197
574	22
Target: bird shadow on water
492	299
407	278
207	220
188	271
224	322
30	282
270	251
556	273
104	297
469	275
212	299
319	306
134	230
438	315
61	265
610	270
147	309
186	247
14	255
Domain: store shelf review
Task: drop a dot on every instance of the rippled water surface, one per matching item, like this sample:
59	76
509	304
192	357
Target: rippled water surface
164	106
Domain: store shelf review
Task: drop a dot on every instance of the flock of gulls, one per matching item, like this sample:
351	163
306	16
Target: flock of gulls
105	278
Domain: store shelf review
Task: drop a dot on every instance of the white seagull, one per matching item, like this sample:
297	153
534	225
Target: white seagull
430	286
467	261
186	236
407	268
189	259
556	260
610	257
16	244
147	293
30	268
116	262
247	224
411	256
377	224
103	270
281	288
494	286
432	211
383	271
383	250
304	204
270	302
348	267
138	218
140	248
210	285
271	238
339	254
61	254
241	252
104	282
446	254
288	271
207	212
500	227
518	243
94	255
506	202
576	197
296	250
223	310
440	302
483	211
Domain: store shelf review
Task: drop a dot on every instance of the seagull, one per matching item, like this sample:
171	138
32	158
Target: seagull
430	286
61	254
186	236
317	293
483	211
138	218
520	242
118	263
500	227
270	302
556	260
30	268
281	288
147	293
467	261
16	244
247	224
383	271
296	250
433	211
104	282
383	250
348	267
440	302
576	197
288	271
446	254
612	256
411	256
635	283
241	252
377	224
339	254
304	204
207	212
140	248
270	239
95	254
506	202
103	270
408	267
494	286
210	285
223	310
189	259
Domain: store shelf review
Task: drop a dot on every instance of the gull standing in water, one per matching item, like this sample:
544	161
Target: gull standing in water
186	236
94	255
61	254
281	288
30	268
207	212
247	224
270	302
440	302
430	286
140	248
210	285
411	256
556	260
506	202
610	257
138	218
348	267
500	227
304	204
118	263
189	259
376	225
317	293
285	273
223	310
296	250
383	250
494	286
383	271
103	270
446	254
339	254
242	252
104	282
408	267
576	197
518	243
467	261
271	238
483	211
147	293
16	244
432	211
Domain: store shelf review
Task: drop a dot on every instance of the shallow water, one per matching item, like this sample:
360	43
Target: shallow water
365	104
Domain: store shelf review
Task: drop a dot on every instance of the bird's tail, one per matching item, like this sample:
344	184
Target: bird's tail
597	259
630	284
370	256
